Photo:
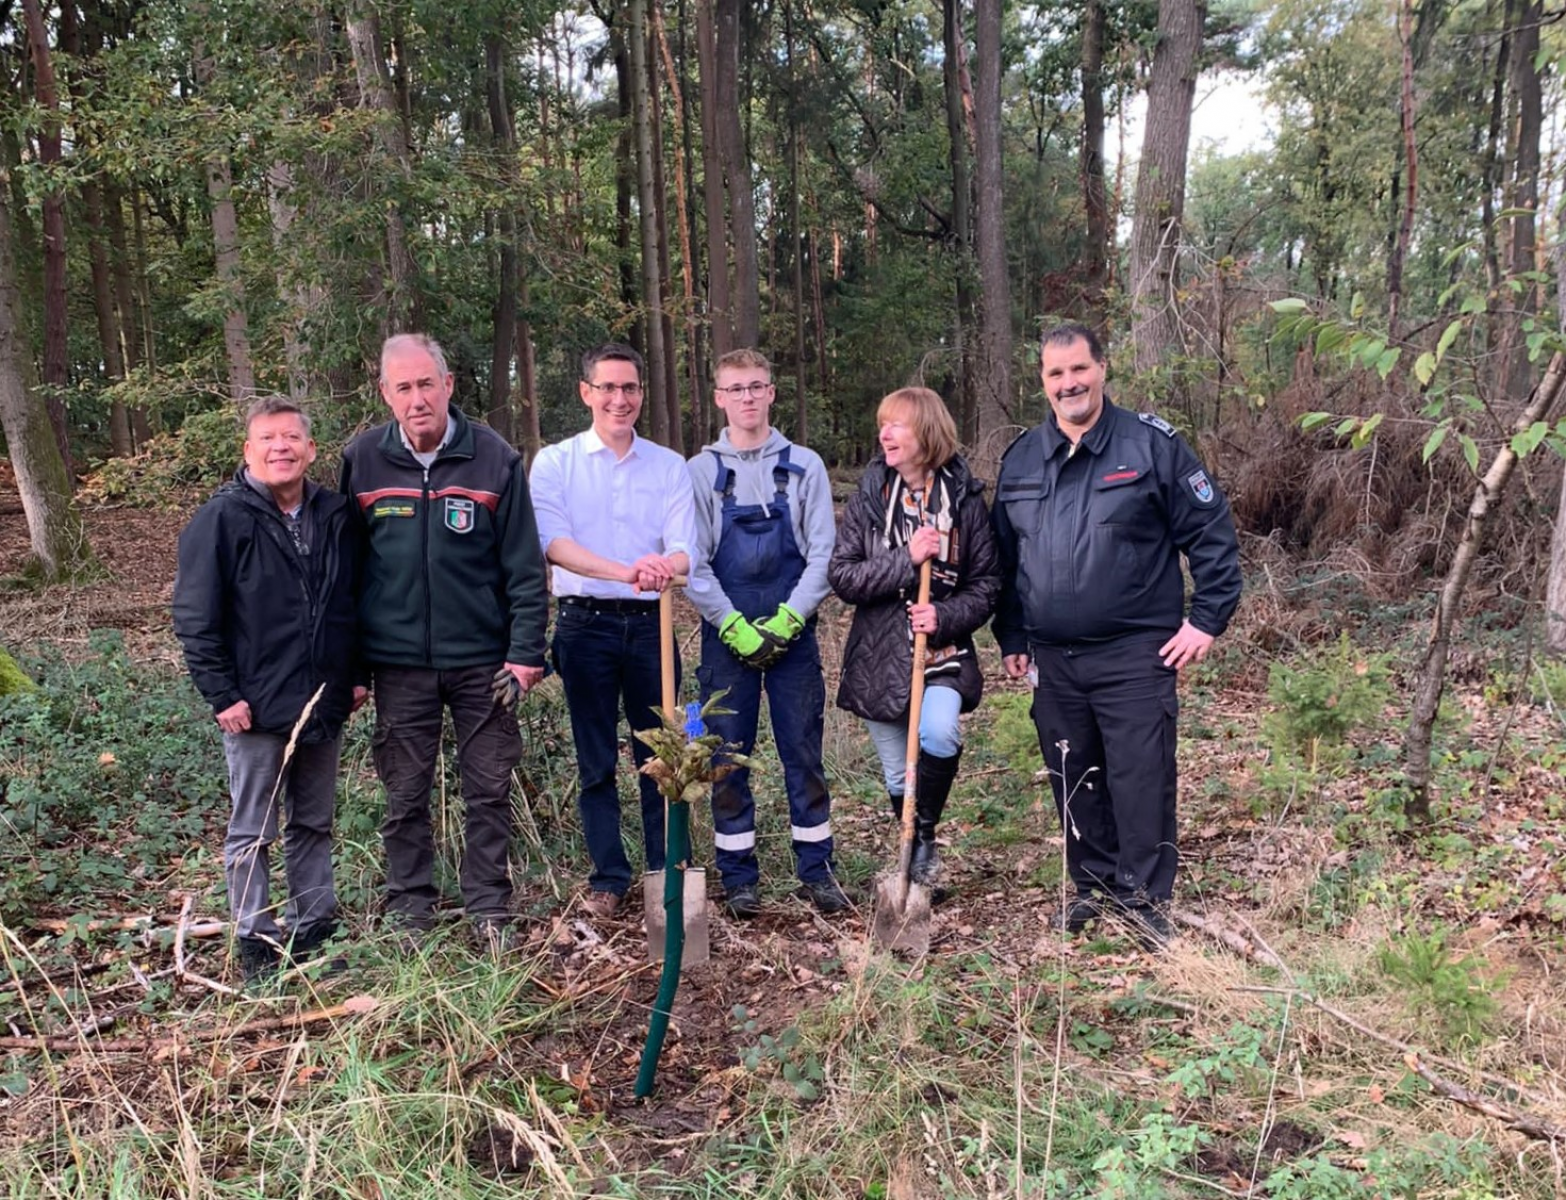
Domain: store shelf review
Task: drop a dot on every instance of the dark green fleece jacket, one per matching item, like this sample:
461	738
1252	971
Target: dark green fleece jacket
453	575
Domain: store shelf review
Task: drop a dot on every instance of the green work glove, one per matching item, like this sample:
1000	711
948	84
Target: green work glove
748	644
785	624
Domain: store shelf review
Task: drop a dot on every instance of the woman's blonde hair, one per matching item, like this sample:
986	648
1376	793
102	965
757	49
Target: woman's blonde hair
927	417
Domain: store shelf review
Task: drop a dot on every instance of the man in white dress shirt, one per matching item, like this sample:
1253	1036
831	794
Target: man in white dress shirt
616	520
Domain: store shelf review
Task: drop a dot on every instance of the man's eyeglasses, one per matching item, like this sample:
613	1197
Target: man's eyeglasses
629	390
739	389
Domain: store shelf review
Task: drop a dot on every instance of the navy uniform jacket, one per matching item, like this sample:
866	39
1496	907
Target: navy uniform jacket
1090	542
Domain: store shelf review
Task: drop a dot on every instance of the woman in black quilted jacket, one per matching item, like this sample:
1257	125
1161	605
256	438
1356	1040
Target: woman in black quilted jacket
917	501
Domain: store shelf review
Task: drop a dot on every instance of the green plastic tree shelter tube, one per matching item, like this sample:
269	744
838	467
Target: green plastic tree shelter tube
677	859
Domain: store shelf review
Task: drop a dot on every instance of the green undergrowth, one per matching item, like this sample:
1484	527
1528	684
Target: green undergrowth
1010	1063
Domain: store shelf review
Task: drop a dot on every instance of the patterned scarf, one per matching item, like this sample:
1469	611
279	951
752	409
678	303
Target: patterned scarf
906	510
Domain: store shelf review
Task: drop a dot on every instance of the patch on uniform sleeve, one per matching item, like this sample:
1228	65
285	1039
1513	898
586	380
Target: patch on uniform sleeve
1201	487
1157	422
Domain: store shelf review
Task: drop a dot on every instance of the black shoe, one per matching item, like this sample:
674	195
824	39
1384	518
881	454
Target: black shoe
410	935
1080	912
743	901
311	940
496	936
1149	924
824	894
259	959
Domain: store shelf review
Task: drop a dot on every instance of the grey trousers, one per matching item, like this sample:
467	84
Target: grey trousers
307	799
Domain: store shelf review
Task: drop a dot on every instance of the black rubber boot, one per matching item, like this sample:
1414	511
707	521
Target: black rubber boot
897	808
936	776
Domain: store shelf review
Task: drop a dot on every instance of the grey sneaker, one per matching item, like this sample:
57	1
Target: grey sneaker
824	894
495	936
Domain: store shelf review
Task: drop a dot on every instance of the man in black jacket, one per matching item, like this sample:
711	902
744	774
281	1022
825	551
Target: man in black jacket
263	606
452	611
1093	511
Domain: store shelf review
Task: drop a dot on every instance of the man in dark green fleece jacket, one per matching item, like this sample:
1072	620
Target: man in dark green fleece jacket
452	592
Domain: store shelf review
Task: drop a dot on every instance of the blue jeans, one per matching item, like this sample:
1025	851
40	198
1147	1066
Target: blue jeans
606	660
796	696
939	735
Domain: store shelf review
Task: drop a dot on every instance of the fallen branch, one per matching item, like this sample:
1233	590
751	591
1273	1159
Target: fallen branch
201	929
180	968
352	1007
1230	939
1500	1083
1534	1127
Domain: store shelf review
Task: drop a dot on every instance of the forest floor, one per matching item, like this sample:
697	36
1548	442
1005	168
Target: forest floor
1343	984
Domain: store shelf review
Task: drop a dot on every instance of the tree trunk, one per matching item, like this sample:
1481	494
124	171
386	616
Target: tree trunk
666	302
110	337
527	370
56	375
650	211
225	250
504	316
719	302
687	247
993	356
625	188
1160	183
402	308
54	526
963	364
1555	592
746	292
796	233
1410	158
1095	204
1432	673
1512	366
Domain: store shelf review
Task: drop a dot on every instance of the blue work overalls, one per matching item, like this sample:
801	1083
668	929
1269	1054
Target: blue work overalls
757	563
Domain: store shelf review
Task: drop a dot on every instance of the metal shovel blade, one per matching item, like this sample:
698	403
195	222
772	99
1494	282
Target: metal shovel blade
696	948
901	922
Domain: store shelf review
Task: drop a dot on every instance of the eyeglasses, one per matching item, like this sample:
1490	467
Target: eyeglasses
629	390
739	389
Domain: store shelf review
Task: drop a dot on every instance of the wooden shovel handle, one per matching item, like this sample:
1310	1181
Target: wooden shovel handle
666	643
915	707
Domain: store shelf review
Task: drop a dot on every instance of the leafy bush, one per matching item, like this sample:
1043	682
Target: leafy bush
107	771
204	452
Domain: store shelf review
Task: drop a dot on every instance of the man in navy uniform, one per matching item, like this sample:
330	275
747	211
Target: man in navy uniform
1094	509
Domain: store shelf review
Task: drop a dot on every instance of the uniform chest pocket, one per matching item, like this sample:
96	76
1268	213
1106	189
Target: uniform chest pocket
1024	502
1122	496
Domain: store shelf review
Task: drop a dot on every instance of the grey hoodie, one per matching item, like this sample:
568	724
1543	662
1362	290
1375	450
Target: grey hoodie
810	506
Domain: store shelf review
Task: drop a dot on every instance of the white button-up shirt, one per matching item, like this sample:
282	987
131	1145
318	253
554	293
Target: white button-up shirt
618	508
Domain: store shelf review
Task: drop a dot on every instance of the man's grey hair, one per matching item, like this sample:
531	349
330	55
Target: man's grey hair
270	406
398	342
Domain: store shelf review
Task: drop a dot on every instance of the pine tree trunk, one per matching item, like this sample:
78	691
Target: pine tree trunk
54	526
1095	204
963	367
225	250
56	375
1160	183
402	308
647	200
993	355
504	316
746	292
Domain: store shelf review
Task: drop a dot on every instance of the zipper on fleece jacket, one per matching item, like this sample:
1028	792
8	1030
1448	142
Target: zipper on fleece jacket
424	559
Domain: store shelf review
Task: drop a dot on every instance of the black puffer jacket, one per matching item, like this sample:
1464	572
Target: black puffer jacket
255	624
880	581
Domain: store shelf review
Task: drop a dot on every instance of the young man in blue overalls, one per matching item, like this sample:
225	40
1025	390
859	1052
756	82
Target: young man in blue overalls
764	534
